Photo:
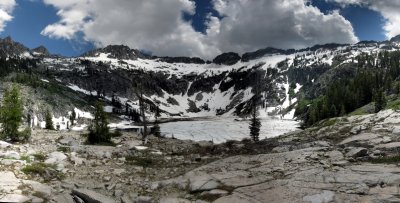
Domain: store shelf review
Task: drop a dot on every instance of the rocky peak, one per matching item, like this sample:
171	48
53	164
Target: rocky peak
41	50
395	39
10	48
329	46
118	52
262	52
229	58
193	60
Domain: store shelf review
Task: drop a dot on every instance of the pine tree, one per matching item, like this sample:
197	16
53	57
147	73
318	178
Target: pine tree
380	100
142	109
156	127
72	117
99	133
255	123
11	113
333	111
342	110
49	120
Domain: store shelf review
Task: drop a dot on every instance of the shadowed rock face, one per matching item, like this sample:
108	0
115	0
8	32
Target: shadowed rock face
118	52
10	48
395	39
193	60
41	50
227	58
262	52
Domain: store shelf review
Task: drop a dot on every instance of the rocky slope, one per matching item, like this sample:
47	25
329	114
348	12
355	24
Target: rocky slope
347	159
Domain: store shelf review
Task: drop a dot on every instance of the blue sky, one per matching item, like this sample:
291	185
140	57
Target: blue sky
31	17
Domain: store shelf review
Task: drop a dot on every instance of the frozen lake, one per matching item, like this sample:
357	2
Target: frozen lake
222	129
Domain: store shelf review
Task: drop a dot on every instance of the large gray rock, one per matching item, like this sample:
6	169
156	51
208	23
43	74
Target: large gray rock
8	181
389	146
10	155
64	198
335	156
68	141
325	197
39	187
396	130
90	196
357	129
357	152
4	144
14	198
202	182
173	200
55	158
360	137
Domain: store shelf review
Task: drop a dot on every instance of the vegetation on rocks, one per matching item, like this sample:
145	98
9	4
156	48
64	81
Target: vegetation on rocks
49	120
99	132
11	115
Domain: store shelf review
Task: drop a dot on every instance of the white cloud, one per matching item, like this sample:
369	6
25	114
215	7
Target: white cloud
6	8
158	26
389	9
284	24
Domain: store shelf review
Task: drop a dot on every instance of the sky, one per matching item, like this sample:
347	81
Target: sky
203	28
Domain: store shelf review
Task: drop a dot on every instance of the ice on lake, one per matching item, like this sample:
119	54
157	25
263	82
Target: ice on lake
220	130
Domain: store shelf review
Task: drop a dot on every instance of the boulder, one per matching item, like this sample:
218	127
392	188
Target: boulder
143	199
14	198
357	129
69	141
357	152
335	156
325	196
202	183
173	200
4	144
55	158
10	155
396	130
363	137
90	196
75	159
39	187
8	181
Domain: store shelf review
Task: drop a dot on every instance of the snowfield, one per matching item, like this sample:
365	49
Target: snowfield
222	129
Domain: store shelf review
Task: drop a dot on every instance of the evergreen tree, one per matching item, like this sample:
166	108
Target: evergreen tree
342	111
380	100
11	113
333	111
255	125
156	127
99	133
72	117
49	120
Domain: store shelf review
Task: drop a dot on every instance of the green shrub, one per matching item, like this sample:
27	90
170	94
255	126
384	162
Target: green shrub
46	171
99	133
11	113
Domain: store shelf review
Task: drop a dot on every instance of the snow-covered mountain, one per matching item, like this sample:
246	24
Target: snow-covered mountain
193	87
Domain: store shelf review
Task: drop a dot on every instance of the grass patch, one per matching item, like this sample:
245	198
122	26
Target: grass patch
358	112
386	160
63	149
39	157
46	171
395	105
26	158
145	162
329	122
35	168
